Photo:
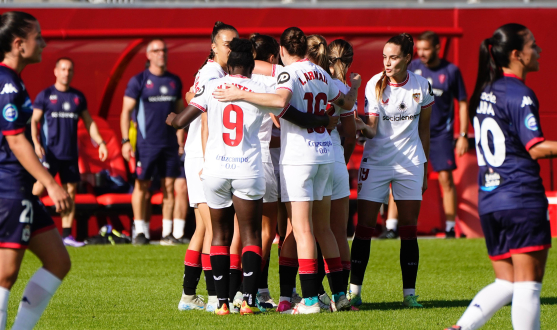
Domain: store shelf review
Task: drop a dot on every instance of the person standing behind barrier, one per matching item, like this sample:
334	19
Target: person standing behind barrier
447	83
511	202
57	109
153	93
398	106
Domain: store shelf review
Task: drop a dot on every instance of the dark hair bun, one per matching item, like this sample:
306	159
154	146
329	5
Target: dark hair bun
241	46
253	36
217	24
407	36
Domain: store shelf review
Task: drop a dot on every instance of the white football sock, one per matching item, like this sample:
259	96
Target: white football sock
37	294
146	229
166	227
488	301
408	292
139	226
449	225
526	305
355	289
391	224
178	229
4	297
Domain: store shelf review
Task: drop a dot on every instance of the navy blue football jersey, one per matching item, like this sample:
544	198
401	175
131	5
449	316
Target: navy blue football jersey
447	85
17	110
61	112
156	97
506	126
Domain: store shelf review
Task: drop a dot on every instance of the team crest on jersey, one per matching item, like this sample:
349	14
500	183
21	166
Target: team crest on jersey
10	112
149	84
283	77
402	106
163	89
531	122
359	187
53	99
172	85
442	78
26	233
416	97
491	180
385	102
66	106
76	100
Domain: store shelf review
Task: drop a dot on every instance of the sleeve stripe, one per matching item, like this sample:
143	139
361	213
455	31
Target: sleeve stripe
373	114
429	105
533	142
283	111
285	88
14	131
336	97
198	106
347	114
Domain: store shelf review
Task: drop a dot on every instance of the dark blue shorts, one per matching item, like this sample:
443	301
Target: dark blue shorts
68	169
441	153
515	231
182	170
20	220
165	161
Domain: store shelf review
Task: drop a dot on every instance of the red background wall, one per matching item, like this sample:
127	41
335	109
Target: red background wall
94	58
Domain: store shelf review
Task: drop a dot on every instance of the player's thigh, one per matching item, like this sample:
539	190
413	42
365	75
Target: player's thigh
192	168
529	266
271	184
341	181
147	159
10	262
373	185
297	182
407	183
218	192
323	181
367	212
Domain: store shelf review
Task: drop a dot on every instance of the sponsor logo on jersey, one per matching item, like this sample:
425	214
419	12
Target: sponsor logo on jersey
26	233
531	122
485	108
418	72
385	102
66	106
162	98
526	100
10	112
402	106
416	97
400	117
320	144
489	97
76	100
8	89
283	78
312	75
149	84
429	89
53	99
491	180
366	102
232	159
442	78
27	105
172	85
437	92
200	91
71	115
163	89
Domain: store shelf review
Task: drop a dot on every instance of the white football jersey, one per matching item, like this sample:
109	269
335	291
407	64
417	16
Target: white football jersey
233	148
397	143
208	72
267	125
338	111
312	88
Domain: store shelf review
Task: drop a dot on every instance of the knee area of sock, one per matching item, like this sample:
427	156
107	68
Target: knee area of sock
364	232
408	232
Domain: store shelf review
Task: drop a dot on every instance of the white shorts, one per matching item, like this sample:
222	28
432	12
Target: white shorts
304	183
275	156
219	191
192	167
271	184
373	184
341	182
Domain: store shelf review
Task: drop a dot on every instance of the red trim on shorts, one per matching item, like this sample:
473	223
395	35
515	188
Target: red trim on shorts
533	142
42	230
288	262
206	261
220	250
335	98
307	266
346	114
284	88
408	232
363	232
192	258
512	75
346	265
235	261
402	83
14	131
501	256
283	111
333	265
530	249
198	106
253	248
429	105
9	245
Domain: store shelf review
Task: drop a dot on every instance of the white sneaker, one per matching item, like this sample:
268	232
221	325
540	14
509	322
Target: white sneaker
266	300
233	308
238	299
342	304
191	302
324	302
301	308
212	304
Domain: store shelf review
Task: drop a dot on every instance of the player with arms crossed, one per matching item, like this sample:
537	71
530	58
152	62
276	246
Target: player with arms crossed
24	221
58	109
398	106
512	202
306	154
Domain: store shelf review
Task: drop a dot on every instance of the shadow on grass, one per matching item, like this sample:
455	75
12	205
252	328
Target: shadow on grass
390	305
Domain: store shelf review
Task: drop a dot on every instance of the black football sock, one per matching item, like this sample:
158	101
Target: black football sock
235	276
209	281
409	256
288	269
251	264
320	271
192	271
309	277
220	262
359	254
263	279
333	267
66	232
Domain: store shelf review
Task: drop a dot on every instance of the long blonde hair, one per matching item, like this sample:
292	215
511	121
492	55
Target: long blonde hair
341	55
317	51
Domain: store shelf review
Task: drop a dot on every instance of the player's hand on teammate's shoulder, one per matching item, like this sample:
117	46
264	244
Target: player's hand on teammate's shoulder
170	118
61	199
333	122
355	80
228	94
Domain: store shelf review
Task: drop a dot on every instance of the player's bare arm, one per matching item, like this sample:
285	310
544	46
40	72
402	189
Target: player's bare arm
93	130
544	149
423	131
184	118
369	130
309	120
462	142
125	117
189	96
35	133
347	101
279	99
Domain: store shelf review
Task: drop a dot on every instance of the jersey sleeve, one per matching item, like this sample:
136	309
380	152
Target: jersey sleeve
428	100
458	89
285	80
371	107
133	89
39	101
201	100
179	88
12	122
334	92
526	119
82	103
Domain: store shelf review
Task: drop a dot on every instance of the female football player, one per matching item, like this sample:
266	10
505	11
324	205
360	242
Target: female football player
24	221
512	202
398	106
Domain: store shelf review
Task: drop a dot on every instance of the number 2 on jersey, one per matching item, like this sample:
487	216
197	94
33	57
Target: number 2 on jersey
317	110
237	126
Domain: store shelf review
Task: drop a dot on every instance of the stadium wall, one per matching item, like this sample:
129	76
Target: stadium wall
96	39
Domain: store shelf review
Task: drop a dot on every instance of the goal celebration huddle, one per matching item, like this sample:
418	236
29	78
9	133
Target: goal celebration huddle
271	125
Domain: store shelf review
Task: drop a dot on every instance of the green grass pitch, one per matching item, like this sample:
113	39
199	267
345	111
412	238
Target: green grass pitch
127	287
